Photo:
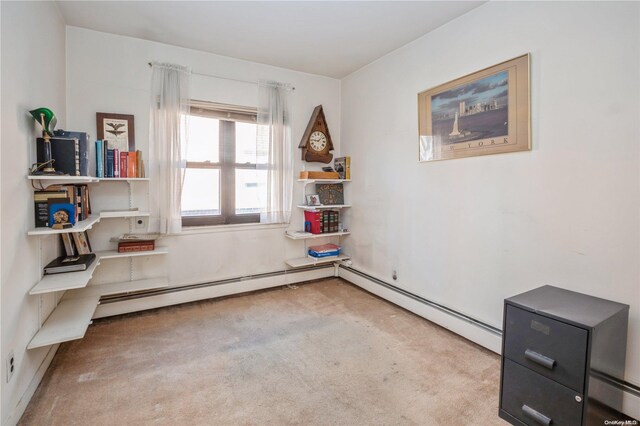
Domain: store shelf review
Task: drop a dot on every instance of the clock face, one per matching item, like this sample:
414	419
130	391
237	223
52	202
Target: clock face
317	141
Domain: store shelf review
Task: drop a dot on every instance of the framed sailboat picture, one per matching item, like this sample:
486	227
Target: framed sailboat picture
487	112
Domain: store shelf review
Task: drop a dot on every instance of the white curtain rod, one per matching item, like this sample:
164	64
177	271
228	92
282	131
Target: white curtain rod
224	78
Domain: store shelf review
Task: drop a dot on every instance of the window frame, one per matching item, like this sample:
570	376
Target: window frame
227	115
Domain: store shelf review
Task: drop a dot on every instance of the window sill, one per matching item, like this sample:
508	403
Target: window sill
212	229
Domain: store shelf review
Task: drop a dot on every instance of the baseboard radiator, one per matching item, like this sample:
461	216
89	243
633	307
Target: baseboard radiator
485	334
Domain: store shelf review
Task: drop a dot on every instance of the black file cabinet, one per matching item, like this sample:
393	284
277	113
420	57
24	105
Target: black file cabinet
556	345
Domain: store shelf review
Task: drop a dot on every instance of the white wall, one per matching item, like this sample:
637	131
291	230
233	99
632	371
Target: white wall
109	73
33	63
468	233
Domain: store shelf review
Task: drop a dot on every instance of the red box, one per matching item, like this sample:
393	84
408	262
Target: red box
314	218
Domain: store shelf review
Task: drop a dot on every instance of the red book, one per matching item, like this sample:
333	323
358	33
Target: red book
314	218
123	164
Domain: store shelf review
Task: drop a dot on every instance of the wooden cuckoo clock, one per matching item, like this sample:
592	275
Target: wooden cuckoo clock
316	141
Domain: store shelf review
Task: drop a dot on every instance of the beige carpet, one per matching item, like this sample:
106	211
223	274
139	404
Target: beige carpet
323	353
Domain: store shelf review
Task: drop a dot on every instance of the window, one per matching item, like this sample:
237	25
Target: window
225	179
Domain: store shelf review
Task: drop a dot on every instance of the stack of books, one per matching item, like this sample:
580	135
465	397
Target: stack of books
330	219
136	242
324	250
76	195
69	264
113	163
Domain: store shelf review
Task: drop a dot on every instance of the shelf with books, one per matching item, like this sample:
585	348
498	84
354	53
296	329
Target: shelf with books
299	235
301	262
113	254
123	179
80	226
69	321
65	281
327	206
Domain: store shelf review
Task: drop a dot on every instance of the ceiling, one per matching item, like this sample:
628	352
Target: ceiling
331	38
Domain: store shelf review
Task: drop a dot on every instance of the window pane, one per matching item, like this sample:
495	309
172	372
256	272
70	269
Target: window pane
246	144
201	192
251	191
203	143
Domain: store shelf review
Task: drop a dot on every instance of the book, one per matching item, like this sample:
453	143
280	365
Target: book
81	240
64	151
139	164
330	193
116	163
83	147
69	264
123	164
110	159
41	204
131	165
313	221
99	159
68	244
342	165
324	250
127	247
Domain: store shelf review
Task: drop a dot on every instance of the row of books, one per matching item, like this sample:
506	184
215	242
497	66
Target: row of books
78	252
113	163
321	221
47	201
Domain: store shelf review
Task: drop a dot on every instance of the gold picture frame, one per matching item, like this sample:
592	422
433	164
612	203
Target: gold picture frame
486	112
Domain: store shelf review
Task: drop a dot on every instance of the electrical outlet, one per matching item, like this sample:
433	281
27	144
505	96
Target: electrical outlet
140	223
11	365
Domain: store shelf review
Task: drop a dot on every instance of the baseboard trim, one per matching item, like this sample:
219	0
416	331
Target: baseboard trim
22	404
470	328
152	299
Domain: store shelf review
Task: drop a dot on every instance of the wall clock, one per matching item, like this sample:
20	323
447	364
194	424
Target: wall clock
316	140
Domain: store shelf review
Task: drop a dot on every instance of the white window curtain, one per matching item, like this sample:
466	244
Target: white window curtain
168	137
274	131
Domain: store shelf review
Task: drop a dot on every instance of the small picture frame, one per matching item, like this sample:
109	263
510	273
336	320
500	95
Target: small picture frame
313	200
117	129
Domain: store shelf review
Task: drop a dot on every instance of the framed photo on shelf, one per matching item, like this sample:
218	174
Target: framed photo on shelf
313	200
486	112
117	129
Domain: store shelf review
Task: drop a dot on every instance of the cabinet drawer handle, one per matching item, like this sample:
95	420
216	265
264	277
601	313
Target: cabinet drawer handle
539	359
535	416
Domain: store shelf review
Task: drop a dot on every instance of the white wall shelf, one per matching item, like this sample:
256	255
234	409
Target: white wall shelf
80	226
308	181
325	207
65	280
126	179
113	254
308	261
117	288
309	235
124	213
69	321
62	180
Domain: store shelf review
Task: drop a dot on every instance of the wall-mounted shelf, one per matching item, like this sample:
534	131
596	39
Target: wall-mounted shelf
122	179
118	288
309	235
65	280
325	207
80	226
113	254
69	321
307	181
62	180
124	213
307	261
